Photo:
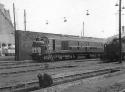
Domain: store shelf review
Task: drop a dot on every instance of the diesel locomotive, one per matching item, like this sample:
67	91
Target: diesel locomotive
63	47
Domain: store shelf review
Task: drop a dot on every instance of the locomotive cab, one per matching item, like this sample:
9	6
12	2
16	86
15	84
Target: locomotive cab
39	48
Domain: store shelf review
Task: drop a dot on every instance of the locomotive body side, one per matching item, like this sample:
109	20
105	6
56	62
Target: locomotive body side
68	48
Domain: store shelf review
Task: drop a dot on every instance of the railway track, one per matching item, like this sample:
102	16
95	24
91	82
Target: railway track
20	66
34	85
30	68
11	64
33	70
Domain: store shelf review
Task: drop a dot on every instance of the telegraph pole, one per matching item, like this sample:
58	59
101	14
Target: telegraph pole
25	20
83	28
15	31
120	43
14	16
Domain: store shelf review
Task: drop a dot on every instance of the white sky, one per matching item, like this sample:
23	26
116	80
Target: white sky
102	21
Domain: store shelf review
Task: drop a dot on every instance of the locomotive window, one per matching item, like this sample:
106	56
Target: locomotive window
34	44
9	44
37	39
64	45
78	43
78	48
87	43
70	48
3	44
102	44
53	44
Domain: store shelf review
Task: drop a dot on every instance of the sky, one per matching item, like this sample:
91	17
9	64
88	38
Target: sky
102	21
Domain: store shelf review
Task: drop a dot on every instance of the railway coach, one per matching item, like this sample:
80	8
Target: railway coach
66	47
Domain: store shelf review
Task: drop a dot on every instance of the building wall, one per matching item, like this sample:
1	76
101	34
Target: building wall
6	29
24	43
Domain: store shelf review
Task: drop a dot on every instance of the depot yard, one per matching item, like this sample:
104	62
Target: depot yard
6	78
111	83
55	69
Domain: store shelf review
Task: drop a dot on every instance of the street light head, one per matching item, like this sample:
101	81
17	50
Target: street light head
123	7
87	13
47	22
65	20
116	4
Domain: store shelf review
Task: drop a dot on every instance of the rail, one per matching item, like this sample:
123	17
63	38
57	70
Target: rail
31	70
34	85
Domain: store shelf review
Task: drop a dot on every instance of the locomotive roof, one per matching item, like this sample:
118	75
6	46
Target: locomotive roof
115	37
64	37
75	38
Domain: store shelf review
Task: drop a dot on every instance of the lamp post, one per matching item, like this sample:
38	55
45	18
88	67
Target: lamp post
25	20
87	13
120	27
120	43
83	28
16	56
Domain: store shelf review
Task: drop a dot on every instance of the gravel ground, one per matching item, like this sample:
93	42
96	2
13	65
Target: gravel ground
27	77
109	83
6	80
113	82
